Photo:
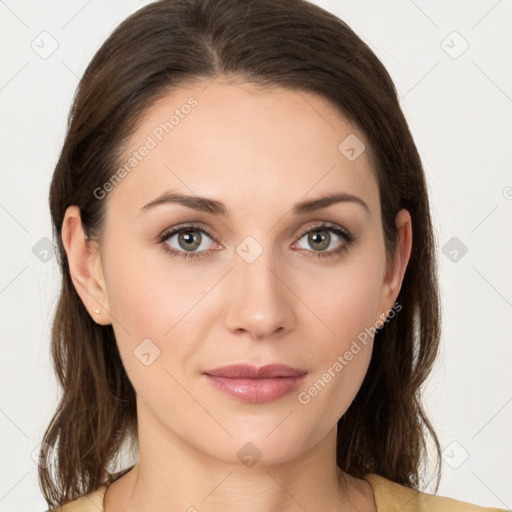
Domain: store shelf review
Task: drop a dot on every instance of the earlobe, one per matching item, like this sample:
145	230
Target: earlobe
85	266
396	271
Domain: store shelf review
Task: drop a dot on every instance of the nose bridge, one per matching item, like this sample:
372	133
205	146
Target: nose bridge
260	302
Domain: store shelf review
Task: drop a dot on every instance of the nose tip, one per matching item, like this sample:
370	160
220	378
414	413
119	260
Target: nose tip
260	302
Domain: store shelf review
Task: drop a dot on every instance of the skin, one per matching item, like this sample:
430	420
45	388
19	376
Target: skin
259	151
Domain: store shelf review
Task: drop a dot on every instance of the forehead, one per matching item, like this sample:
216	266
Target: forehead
235	141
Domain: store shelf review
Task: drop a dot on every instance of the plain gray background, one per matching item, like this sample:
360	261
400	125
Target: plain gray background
450	62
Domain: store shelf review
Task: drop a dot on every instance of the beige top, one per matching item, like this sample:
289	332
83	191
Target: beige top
389	497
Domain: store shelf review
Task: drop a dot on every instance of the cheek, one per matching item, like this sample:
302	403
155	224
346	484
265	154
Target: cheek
347	304
138	300
141	302
152	303
342	362
347	299
147	294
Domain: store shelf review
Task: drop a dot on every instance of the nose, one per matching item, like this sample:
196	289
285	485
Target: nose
260	301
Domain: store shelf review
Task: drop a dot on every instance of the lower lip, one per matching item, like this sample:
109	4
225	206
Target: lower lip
256	391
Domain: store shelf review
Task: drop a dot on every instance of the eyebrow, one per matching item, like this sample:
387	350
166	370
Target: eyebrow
219	209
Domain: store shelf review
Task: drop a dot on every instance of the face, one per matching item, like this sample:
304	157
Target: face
255	281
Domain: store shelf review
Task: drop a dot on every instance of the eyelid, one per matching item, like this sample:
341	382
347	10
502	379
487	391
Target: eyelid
183	226
327	225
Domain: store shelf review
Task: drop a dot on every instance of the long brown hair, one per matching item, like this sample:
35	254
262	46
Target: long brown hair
288	43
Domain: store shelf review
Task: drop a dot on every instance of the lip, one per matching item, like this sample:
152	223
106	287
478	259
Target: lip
256	385
247	371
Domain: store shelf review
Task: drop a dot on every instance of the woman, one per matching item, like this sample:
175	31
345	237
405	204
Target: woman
249	287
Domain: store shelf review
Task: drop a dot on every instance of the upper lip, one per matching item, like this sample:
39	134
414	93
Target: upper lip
247	371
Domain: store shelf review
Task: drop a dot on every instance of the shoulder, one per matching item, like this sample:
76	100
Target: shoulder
393	497
92	502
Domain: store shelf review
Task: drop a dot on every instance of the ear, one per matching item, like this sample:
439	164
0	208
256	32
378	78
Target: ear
395	270
85	266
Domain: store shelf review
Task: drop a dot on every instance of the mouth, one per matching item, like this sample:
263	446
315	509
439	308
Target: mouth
256	385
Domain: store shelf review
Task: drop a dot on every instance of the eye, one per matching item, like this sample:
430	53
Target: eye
190	240
320	239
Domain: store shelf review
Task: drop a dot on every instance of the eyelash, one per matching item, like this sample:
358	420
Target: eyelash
327	226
